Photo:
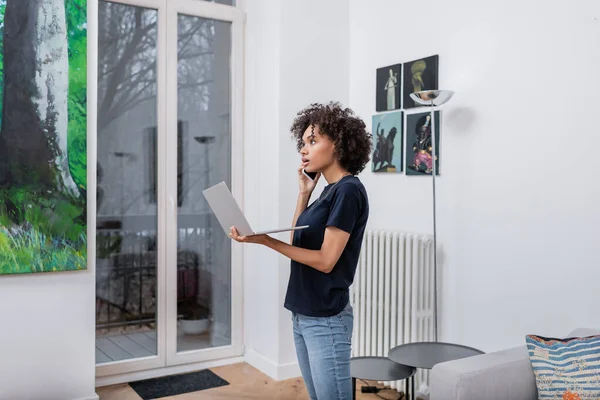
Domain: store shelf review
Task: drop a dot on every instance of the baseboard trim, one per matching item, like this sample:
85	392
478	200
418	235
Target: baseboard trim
268	367
261	363
159	372
288	371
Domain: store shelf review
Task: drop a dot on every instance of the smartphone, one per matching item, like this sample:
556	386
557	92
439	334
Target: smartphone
310	175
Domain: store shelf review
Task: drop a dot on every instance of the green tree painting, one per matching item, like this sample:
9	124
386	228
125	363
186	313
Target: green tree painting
43	149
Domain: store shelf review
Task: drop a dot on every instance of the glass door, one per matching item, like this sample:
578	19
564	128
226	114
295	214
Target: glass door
204	148
130	200
168	280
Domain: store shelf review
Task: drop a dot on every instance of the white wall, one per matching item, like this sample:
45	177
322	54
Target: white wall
296	53
47	327
518	198
260	194
47	336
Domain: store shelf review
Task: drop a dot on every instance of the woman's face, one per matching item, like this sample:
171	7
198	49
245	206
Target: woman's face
317	153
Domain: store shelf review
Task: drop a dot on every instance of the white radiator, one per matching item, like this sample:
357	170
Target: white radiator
392	295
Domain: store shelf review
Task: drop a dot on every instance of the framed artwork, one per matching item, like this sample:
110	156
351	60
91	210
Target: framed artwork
419	157
388	134
43	136
420	75
388	88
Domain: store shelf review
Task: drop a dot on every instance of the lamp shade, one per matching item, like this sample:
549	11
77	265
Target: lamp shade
204	139
426	97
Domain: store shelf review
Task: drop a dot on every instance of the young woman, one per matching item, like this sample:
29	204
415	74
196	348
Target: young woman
334	144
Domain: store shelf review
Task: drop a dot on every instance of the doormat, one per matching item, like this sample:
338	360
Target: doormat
177	384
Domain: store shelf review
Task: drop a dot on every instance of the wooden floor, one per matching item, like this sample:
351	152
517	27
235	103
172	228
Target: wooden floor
143	344
126	346
245	382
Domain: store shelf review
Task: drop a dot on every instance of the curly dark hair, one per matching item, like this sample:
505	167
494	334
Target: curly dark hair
352	141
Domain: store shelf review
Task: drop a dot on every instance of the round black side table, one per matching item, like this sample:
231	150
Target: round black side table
426	355
378	369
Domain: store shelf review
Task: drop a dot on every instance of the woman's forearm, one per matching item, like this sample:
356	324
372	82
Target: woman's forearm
301	205
312	258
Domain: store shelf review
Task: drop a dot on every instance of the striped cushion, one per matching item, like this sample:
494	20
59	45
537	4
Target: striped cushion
565	369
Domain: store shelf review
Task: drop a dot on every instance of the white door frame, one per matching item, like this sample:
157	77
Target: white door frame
166	307
204	9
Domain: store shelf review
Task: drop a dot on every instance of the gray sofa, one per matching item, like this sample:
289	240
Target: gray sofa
501	375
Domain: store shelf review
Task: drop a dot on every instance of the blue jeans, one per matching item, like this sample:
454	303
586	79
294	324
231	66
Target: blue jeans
323	347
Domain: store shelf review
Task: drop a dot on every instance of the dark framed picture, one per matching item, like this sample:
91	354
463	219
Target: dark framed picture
420	75
388	135
419	145
388	88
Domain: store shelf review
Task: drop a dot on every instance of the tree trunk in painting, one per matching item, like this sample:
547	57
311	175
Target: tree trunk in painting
42	211
27	154
52	79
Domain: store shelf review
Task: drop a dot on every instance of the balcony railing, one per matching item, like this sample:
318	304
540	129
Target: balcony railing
126	267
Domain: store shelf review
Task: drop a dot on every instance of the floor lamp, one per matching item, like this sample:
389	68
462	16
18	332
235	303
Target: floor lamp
433	98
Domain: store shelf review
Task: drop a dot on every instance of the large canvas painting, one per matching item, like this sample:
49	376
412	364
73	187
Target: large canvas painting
388	138
419	146
43	136
420	75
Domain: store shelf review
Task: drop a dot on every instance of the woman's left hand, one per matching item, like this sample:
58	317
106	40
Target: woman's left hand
258	239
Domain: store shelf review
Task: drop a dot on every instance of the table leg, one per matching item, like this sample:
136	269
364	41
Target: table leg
412	388
410	394
353	388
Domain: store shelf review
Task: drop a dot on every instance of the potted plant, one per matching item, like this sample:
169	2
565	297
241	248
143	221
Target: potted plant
194	317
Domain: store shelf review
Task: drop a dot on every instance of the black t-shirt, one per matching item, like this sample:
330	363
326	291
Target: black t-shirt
343	204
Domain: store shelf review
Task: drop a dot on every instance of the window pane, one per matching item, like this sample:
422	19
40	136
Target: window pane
126	259
204	159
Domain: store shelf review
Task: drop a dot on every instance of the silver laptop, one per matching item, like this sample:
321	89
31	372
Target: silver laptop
229	214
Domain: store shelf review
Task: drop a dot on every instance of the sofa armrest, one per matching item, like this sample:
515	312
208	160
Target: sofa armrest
582	332
501	375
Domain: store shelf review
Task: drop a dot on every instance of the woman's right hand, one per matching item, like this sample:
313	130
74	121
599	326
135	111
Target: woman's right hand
306	185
